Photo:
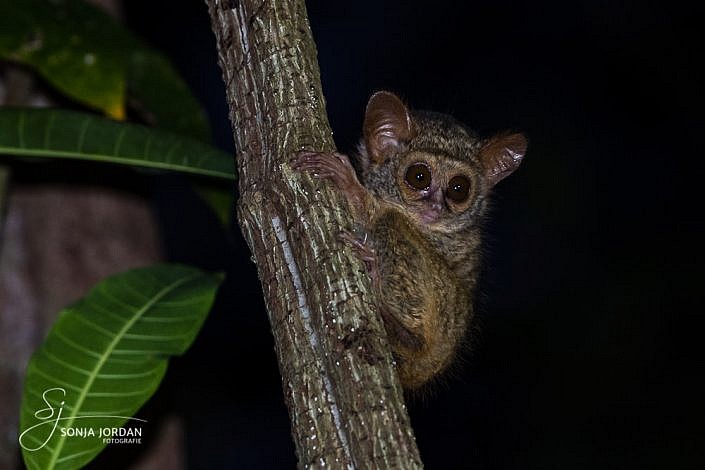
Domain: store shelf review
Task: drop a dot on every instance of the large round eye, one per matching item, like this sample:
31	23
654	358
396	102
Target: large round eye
418	176
458	188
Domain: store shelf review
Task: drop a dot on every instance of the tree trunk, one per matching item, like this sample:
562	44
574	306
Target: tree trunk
345	403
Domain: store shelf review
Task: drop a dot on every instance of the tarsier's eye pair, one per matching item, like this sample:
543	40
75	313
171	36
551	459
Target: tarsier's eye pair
418	176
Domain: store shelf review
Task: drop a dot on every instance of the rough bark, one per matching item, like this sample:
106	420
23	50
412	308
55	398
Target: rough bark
344	400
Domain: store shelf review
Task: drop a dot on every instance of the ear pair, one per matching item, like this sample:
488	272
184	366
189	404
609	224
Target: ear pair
388	125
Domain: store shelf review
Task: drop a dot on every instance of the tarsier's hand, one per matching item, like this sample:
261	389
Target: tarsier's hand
334	167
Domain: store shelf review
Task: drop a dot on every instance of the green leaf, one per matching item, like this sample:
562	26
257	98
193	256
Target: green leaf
75	47
104	357
90	57
162	98
69	134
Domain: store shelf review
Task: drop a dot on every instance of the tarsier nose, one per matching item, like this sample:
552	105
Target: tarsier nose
436	200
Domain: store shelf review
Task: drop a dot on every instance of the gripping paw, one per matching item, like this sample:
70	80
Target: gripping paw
335	167
362	247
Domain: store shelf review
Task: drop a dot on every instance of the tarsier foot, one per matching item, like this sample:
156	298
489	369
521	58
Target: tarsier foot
362	247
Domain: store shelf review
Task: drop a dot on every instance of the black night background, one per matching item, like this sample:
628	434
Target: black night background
588	349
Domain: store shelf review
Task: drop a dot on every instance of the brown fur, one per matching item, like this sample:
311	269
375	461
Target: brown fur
422	248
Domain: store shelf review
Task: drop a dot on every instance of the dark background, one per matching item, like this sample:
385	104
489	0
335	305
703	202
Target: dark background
588	353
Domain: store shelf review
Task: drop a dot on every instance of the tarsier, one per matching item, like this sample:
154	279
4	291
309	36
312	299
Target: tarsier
419	204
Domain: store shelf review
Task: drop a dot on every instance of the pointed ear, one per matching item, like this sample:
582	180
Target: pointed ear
387	125
501	155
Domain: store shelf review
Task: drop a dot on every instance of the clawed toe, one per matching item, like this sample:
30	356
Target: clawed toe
364	251
360	245
352	239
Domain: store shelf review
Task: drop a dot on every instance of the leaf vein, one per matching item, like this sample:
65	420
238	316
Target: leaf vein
110	350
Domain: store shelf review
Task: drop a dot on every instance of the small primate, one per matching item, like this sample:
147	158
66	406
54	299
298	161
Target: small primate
419	201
